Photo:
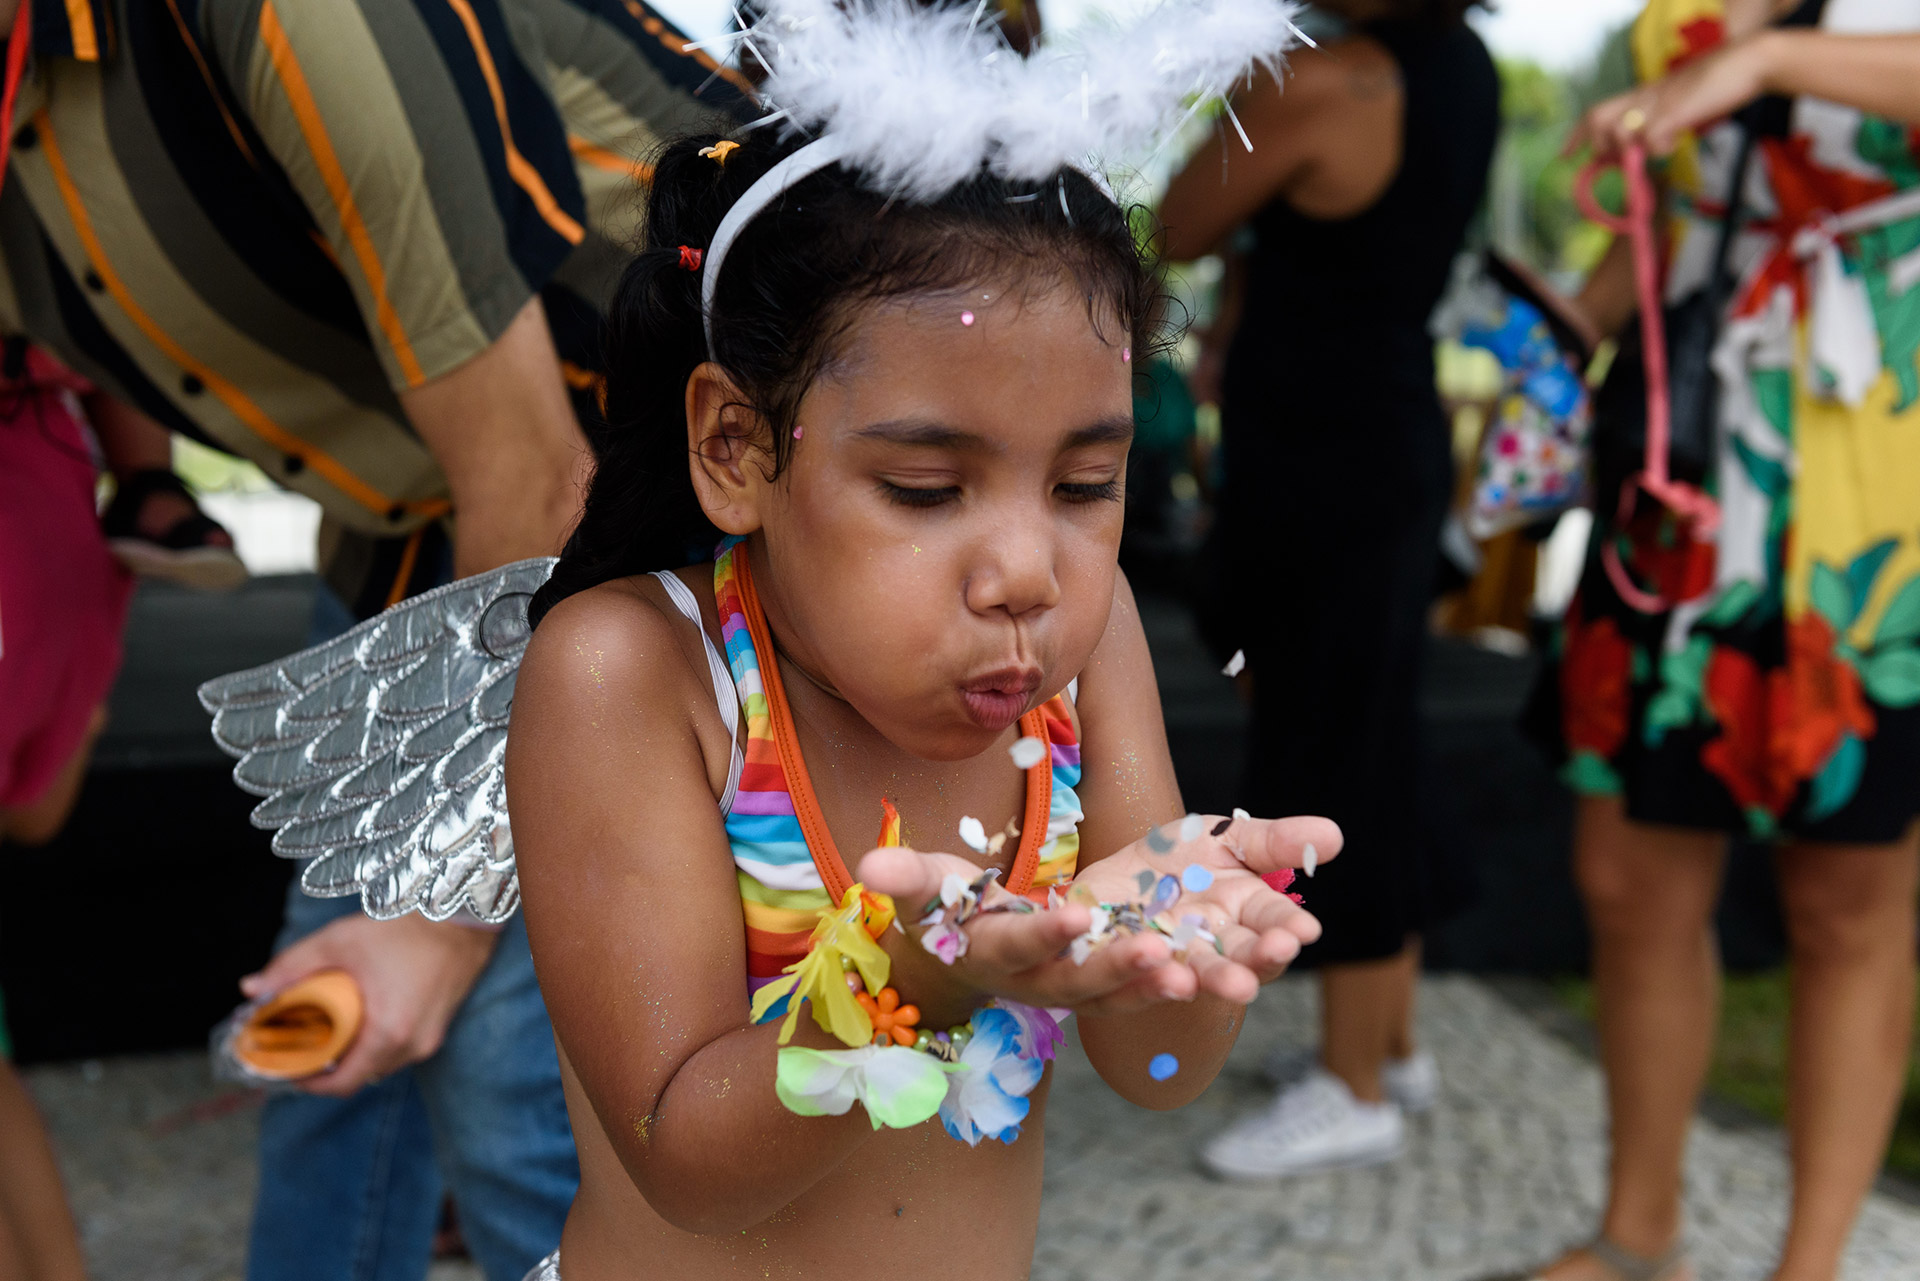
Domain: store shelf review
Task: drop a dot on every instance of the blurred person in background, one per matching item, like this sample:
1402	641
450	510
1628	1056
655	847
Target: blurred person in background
63	602
364	246
1366	169
1771	688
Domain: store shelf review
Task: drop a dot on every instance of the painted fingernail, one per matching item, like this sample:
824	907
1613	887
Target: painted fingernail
1309	859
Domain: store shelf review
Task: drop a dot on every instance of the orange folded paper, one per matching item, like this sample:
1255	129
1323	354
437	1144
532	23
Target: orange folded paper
302	1031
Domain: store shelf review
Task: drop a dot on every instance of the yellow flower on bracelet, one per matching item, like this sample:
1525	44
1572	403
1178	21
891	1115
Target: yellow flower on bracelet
841	943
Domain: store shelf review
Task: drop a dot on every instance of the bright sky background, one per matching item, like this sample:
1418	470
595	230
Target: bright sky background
1554	33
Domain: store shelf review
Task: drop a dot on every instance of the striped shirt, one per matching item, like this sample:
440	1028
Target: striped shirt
261	220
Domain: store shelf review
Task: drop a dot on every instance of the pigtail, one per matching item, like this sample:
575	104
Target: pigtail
641	512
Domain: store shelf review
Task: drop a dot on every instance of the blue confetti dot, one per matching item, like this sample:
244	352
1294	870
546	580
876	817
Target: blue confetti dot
1162	1066
1196	878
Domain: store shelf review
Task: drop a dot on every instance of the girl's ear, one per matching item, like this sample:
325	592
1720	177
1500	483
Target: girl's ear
724	451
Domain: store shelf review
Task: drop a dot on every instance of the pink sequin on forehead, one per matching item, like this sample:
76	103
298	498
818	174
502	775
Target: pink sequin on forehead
966	318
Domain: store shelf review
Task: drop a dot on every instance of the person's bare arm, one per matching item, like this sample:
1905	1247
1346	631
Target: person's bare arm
1607	301
1128	788
503	431
1878	74
633	914
1318	139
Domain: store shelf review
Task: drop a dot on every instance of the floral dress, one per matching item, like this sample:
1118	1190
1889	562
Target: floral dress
1779	691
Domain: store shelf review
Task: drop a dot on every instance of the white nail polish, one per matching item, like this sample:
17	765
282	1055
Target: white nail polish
1309	859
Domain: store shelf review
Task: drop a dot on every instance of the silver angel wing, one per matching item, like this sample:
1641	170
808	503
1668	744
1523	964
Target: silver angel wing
381	752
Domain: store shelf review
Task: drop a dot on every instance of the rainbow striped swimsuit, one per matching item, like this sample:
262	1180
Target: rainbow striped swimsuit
781	891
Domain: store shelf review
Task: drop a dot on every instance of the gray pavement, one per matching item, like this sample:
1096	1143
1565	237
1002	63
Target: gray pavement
1502	1173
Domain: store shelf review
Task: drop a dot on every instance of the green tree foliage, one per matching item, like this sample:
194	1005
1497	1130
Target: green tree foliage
1533	214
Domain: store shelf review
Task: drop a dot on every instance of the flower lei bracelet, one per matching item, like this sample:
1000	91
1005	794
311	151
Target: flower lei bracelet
975	1077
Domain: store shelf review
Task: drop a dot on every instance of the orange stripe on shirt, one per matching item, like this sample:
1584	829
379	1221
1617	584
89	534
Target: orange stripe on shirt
213	89
610	161
312	128
517	165
678	44
229	395
86	42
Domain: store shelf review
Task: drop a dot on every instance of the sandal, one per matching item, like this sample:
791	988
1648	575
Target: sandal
1622	1264
185	553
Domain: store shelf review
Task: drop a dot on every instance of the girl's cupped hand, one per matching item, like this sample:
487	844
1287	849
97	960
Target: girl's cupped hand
1024	956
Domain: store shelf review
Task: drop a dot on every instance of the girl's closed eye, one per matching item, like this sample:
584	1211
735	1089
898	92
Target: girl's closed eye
919	495
1109	490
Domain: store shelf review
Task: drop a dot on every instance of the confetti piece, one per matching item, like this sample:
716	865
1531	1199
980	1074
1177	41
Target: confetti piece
1145	880
1220	828
1165	895
1159	842
1027	752
1309	859
1190	827
966	318
1126	355
974	833
1162	1067
1236	664
799	431
1240	813
1196	879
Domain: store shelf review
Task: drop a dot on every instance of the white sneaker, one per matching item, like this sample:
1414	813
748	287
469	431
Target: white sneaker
1412	1082
1313	1126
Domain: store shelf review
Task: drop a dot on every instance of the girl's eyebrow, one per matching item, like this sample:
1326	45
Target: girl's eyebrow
931	434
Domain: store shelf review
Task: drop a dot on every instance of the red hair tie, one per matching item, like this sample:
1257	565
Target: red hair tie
690	258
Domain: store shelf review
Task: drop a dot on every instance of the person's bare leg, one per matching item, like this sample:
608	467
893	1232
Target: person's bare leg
1364	1006
1649	894
1850	913
37	1225
40	822
1401	1041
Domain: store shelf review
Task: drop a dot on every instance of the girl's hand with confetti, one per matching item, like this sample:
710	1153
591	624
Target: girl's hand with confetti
1045	957
1218	889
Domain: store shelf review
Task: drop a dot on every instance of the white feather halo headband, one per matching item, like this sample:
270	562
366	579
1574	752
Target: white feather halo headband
918	99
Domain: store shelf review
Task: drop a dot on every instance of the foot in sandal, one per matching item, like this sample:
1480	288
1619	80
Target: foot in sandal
157	530
1602	1260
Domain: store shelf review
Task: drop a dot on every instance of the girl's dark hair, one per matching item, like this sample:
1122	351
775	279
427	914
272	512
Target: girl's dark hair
792	284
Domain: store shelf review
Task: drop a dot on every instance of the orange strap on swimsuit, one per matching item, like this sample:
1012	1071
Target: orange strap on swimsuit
806	807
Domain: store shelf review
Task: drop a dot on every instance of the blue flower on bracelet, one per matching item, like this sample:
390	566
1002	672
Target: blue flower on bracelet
987	1098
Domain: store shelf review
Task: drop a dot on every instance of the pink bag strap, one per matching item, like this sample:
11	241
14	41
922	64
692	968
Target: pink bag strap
1686	501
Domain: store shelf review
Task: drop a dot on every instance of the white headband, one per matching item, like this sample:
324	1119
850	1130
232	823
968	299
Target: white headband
769	187
918	99
775	183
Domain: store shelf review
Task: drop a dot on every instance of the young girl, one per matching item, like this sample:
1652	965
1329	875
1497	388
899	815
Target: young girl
908	419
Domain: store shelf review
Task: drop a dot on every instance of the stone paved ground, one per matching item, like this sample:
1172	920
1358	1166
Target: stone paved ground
1505	1169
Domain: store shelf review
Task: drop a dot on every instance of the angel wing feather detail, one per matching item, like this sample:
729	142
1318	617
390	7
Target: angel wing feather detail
381	753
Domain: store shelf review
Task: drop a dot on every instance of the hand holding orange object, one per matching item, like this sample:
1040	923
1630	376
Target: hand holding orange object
303	1030
890	1018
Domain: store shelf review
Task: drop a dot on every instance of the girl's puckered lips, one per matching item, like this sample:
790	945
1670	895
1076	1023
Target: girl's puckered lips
998	699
